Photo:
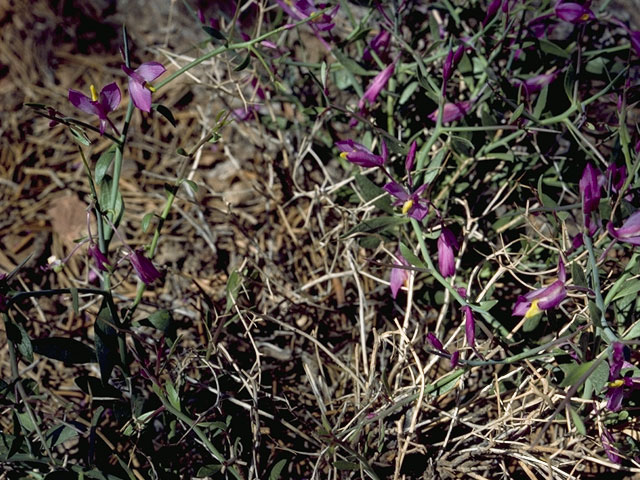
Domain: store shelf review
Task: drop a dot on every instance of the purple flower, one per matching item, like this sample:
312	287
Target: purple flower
469	326
541	299
573	12
590	186
452	112
101	106
435	342
98	257
139	87
630	230
399	276
536	83
301	9
379	44
616	389
446	259
541	26
616	176
410	160
377	84
607	443
634	38
491	11
144	267
412	203
360	155
450	63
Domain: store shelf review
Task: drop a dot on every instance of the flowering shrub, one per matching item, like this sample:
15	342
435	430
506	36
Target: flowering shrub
494	137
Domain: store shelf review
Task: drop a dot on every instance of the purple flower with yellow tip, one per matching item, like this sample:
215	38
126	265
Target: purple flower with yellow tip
536	83
573	12
399	276
101	105
360	155
447	243
629	232
546	298
140	87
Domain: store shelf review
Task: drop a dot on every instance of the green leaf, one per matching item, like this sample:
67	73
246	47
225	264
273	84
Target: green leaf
59	434
553	49
193	186
277	470
631	288
370	190
376	225
74	300
94	387
541	102
182	151
66	350
516	114
106	340
146	220
79	136
244	64
173	395
577	274
407	92
634	332
349	63
433	167
214	33
105	200
208	470
233	288
344	465
577	421
410	257
165	112
18	335
161	319
104	162
596	381
574	372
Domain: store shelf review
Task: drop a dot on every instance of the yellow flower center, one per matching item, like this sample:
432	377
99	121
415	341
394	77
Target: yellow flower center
584	17
149	87
344	155
94	94
407	206
616	383
533	310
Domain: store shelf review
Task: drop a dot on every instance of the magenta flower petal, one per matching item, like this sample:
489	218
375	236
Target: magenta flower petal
435	342
98	257
469	326
149	71
536	83
630	230
411	157
397	191
140	95
446	258
607	443
399	276
590	186
84	103
378	83
358	154
574	12
144	267
110	97
452	112
552	296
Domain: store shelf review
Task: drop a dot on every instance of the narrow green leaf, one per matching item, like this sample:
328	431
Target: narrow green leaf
577	421
173	395
74	300
376	225
146	220
244	64
233	287
214	33
277	470
104	162
348	63
79	136
66	350
18	335
106	341
165	112
517	112
553	49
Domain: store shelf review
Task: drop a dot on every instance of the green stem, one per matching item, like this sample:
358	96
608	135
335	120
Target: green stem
595	275
452	290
